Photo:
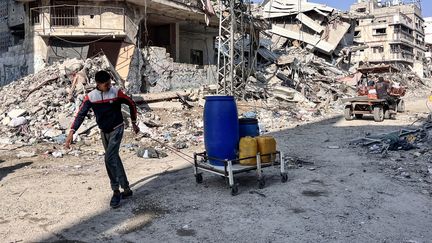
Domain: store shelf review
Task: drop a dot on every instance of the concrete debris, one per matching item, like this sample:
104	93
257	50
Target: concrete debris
408	150
57	154
158	72
150	153
16	113
33	109
23	154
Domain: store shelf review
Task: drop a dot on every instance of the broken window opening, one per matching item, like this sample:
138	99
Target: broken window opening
34	13
378	49
357	34
381	31
197	57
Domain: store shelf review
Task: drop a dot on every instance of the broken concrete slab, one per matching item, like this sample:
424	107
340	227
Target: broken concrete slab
16	113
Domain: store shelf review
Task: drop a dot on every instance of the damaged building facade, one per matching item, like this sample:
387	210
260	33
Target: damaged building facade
394	31
153	45
428	42
321	29
13	62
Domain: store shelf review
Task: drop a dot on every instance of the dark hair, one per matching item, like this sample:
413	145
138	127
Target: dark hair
102	77
381	79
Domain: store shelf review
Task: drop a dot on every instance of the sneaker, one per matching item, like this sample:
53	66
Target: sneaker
126	193
115	200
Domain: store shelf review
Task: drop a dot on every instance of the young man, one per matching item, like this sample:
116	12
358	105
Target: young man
106	101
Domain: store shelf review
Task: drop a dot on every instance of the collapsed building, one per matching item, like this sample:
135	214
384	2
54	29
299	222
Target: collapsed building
394	30
158	44
323	30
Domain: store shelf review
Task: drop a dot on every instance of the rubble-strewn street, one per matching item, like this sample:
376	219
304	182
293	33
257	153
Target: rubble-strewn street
236	121
335	193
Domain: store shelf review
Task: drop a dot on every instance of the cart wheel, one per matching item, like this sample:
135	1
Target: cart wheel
284	177
387	114
199	178
378	113
234	190
401	106
358	116
261	183
348	113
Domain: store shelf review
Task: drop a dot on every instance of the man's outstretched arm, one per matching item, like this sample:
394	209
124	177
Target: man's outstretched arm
79	118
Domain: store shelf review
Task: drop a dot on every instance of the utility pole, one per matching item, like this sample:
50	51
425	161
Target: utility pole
236	34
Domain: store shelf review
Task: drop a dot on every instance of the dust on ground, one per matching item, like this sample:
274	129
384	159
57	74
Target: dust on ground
335	193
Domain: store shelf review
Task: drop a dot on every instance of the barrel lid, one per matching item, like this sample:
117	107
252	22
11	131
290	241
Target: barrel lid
219	97
248	121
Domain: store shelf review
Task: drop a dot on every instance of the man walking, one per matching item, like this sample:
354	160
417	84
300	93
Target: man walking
106	101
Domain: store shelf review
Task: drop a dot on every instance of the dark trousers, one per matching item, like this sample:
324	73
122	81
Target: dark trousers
114	166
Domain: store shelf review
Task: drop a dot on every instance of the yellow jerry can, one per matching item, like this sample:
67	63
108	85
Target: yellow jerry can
266	145
248	147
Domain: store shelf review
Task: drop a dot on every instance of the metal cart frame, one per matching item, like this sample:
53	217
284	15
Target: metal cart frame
232	167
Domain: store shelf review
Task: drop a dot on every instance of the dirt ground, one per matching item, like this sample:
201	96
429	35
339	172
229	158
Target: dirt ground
338	193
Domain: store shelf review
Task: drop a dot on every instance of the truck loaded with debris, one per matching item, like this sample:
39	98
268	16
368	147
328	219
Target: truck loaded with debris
376	96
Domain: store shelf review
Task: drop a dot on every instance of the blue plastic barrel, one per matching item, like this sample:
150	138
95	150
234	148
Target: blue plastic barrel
221	128
248	127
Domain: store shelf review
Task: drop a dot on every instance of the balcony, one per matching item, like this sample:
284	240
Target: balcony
402	56
78	20
390	57
402	37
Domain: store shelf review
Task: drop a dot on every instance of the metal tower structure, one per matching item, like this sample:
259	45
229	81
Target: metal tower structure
235	40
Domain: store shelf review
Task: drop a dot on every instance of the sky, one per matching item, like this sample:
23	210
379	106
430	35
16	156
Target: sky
345	4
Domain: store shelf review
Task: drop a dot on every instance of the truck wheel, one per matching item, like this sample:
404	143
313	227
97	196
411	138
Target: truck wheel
378	113
387	114
348	113
401	106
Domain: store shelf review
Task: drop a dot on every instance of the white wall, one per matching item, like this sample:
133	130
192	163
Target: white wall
428	30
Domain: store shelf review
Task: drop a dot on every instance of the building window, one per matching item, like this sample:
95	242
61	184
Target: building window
378	49
196	57
64	16
381	31
34	13
357	34
361	10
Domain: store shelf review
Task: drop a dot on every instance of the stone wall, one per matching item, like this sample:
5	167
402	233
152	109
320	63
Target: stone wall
14	64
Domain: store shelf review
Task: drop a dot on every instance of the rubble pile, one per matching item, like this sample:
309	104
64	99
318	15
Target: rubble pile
35	108
161	73
409	152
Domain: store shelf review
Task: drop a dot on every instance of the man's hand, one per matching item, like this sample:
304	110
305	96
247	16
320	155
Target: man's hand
69	140
135	127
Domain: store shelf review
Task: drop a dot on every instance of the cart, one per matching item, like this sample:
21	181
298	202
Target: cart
232	168
356	107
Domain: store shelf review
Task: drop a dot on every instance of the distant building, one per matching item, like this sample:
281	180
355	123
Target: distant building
428	40
394	31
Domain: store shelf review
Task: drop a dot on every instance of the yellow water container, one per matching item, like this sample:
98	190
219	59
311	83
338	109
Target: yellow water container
266	145
248	148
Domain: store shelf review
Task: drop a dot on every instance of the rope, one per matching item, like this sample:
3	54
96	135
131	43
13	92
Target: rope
174	150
